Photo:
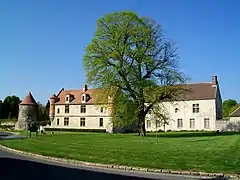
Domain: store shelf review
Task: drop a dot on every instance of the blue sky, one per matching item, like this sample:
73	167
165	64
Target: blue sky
42	42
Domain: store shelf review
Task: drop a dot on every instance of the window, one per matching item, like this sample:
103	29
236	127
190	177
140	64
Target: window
206	123
150	111
176	110
179	123
67	98
148	124
195	108
192	123
66	121
100	122
83	108
57	122
67	109
101	109
83	98
58	110
82	122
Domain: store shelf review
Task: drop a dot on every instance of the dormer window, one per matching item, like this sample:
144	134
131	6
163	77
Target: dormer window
68	98
84	98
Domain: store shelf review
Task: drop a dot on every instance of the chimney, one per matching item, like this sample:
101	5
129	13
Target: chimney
214	80
85	88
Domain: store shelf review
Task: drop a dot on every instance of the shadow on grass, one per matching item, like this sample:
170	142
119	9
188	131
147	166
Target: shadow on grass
21	169
190	134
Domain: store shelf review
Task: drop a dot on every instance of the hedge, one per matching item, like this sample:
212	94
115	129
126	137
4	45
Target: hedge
76	130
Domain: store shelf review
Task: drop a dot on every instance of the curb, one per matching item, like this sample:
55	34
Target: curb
121	167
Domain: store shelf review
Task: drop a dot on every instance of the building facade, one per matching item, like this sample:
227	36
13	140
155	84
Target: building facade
200	109
76	109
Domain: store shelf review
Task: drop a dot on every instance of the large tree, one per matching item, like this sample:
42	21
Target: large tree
229	106
131	53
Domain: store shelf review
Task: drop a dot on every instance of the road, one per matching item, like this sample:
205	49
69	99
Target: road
20	167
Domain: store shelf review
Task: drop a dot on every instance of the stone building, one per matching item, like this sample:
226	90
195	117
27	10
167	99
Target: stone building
199	109
27	111
77	109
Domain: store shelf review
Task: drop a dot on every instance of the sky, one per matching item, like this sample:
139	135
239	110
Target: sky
42	42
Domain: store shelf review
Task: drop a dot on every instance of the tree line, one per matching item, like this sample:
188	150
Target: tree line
229	106
9	109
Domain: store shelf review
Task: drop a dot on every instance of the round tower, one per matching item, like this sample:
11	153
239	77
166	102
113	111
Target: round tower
52	107
27	112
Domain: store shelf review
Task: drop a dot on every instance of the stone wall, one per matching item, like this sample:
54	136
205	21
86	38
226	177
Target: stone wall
228	125
25	111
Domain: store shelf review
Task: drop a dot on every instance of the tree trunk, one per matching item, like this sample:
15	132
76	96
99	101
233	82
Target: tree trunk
141	120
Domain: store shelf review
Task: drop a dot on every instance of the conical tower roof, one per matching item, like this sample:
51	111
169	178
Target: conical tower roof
28	100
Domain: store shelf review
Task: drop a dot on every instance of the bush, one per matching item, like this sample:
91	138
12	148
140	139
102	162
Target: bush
6	127
76	130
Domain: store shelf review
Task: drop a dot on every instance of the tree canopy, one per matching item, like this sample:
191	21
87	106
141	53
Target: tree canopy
43	114
131	53
10	107
229	106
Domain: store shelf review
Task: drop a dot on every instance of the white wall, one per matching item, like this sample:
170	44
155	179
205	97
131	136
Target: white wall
92	116
207	109
233	124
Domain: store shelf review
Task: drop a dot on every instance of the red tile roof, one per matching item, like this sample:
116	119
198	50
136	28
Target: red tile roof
197	91
77	96
28	100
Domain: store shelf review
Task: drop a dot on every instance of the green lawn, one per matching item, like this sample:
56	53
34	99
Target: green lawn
179	151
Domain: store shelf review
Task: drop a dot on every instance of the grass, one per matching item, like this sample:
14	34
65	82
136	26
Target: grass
200	151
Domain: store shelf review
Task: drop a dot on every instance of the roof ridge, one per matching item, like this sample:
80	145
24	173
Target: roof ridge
200	83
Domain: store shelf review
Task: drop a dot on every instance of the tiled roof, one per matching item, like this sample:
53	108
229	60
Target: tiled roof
77	96
28	100
200	91
197	91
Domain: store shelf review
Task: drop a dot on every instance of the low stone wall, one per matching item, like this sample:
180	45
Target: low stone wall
228	125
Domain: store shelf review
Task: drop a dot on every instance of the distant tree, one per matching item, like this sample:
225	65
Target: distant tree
47	108
11	107
130	52
229	106
42	114
1	108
